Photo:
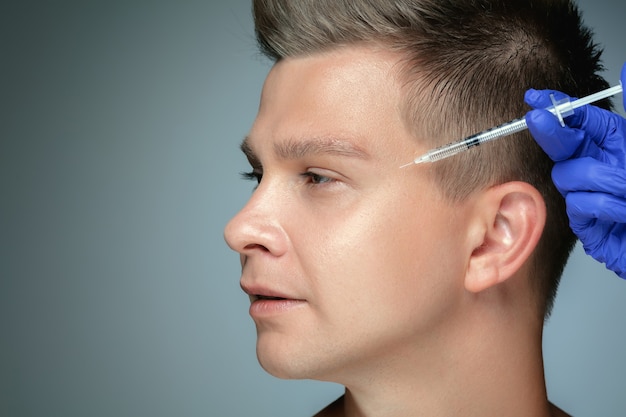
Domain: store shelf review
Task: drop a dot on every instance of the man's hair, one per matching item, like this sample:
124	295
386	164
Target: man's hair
466	65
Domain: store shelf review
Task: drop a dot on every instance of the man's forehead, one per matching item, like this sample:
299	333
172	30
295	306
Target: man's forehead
343	63
345	102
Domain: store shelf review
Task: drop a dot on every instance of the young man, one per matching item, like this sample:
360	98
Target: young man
422	290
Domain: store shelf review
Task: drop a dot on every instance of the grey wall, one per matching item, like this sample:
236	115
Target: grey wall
119	161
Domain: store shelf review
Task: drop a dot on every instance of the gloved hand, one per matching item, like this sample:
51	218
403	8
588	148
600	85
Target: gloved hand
589	171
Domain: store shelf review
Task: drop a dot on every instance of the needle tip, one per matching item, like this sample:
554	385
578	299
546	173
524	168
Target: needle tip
421	159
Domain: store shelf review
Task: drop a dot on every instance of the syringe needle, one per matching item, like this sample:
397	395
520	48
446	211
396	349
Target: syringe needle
424	158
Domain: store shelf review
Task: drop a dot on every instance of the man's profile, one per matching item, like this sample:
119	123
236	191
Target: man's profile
422	290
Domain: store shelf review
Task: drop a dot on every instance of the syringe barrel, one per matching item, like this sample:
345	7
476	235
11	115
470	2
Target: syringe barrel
514	126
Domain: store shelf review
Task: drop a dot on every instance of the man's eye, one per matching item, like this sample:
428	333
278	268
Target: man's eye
252	176
316	178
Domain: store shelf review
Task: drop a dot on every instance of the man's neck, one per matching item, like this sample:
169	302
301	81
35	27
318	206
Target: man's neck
482	375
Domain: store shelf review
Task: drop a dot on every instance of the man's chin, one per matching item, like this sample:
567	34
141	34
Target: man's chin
278	364
284	364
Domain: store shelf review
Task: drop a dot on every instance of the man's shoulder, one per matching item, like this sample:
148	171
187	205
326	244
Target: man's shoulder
557	412
334	409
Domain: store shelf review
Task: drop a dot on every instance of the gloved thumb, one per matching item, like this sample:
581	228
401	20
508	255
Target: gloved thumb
559	143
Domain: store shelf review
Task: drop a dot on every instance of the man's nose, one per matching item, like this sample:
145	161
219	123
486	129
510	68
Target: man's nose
257	227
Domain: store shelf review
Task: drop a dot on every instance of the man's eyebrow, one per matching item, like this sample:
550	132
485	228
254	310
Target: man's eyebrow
297	149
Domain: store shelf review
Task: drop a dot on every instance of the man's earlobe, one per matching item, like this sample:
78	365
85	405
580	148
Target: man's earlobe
506	228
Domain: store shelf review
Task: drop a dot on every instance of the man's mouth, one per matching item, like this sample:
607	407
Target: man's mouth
266	306
267	297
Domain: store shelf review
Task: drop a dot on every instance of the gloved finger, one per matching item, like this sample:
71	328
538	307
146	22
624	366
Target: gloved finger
588	174
540	99
583	207
598	221
558	142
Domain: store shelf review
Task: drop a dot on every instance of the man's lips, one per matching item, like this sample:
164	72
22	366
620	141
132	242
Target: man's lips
266	303
257	292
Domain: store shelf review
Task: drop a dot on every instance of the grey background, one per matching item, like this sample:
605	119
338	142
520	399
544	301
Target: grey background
119	161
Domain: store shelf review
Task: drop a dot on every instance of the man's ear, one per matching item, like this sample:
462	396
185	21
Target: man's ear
506	225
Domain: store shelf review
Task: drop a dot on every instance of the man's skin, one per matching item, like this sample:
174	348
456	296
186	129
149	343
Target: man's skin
418	306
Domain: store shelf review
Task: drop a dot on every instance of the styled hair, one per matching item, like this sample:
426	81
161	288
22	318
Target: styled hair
465	67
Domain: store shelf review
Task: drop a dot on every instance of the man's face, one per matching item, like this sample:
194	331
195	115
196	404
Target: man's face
355	260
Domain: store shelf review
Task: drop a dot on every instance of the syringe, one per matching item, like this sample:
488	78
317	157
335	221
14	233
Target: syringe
561	109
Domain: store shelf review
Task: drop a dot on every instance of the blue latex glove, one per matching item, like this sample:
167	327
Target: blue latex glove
589	171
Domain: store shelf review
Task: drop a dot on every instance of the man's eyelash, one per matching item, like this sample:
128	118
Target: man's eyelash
252	176
310	176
